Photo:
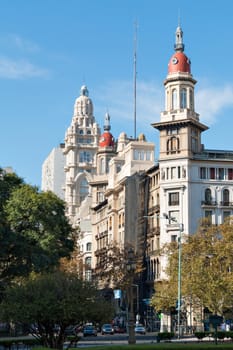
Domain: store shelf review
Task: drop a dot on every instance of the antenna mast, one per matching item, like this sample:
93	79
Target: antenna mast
135	80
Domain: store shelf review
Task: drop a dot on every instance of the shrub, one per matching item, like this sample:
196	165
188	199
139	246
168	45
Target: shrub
165	335
200	335
221	335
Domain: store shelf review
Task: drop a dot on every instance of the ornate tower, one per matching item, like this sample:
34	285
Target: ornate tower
179	126
81	145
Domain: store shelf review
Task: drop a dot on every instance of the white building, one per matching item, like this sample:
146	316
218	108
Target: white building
191	182
53	176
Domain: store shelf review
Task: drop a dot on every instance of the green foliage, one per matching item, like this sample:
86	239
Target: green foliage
165	335
206	270
111	268
53	300
200	335
34	231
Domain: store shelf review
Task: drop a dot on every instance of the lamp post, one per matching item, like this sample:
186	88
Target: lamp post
131	267
179	279
166	216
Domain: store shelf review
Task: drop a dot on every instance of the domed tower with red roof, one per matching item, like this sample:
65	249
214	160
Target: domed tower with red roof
106	139
179	126
106	148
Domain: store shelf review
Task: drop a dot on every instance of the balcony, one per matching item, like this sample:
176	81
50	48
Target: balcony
154	209
153	231
209	203
226	204
101	251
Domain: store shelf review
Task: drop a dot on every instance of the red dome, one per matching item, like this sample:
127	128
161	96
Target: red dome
106	140
179	62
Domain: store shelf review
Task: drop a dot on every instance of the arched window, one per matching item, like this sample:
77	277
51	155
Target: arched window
191	103
88	247
158	268
88	261
84	189
226	197
88	274
110	223
183	98
102	166
208	196
119	221
174	99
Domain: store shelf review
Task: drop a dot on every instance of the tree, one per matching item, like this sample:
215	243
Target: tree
111	268
206	270
53	301
34	230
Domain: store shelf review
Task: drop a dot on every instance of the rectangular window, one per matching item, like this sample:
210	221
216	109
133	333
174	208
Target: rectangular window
230	174
173	238
172	131
148	155
208	215
221	174
203	173
173	198
85	157
173	172
194	144
175	215
178	172
212	173
138	154
194	132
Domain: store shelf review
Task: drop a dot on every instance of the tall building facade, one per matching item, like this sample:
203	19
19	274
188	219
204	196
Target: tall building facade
114	190
190	182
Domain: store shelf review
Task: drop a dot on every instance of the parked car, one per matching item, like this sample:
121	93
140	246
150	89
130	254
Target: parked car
107	328
119	329
140	329
72	330
89	330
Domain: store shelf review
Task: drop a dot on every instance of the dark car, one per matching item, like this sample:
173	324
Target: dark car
89	331
107	329
119	329
72	330
140	329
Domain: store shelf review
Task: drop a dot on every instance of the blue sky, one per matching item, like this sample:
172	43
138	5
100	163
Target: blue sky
50	48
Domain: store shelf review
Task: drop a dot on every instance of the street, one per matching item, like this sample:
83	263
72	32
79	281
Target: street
115	339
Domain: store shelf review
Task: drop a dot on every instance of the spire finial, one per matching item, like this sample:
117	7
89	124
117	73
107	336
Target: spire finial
179	46
107	125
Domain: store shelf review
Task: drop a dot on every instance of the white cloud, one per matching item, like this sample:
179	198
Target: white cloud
17	42
211	101
20	69
118	98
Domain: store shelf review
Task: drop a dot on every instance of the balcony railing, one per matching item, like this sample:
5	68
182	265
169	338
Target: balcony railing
209	203
226	204
153	231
